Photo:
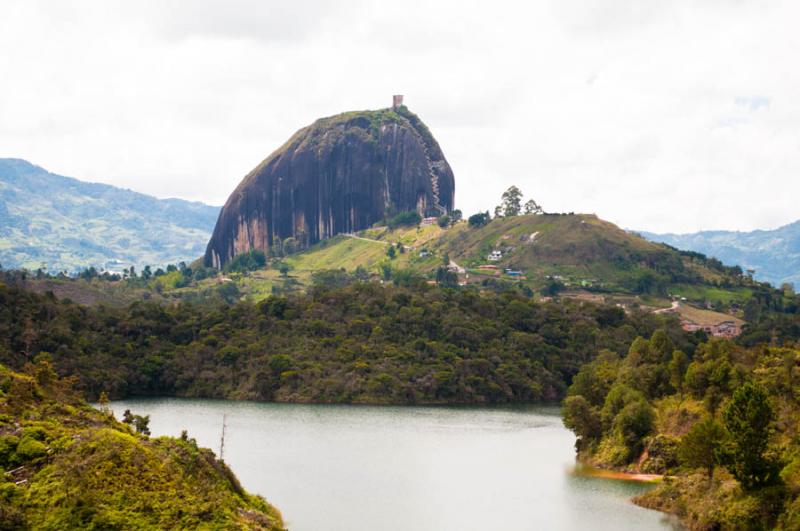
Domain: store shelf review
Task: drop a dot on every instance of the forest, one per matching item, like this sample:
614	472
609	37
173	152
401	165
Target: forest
360	343
721	423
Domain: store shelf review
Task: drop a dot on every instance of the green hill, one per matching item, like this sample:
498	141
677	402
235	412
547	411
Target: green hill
578	255
567	255
69	466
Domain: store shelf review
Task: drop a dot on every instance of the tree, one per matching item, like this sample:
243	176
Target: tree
361	274
147	273
552	288
699	448
283	269
249	261
677	369
391	253
103	402
386	271
446	278
788	289
532	207
479	220
404	219
139	422
443	221
583	419
594	379
748	418
456	215
511	202
633	423
142	424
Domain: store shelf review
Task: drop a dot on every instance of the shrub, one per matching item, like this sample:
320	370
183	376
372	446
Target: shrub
479	220
404	219
250	261
8	447
29	448
662	455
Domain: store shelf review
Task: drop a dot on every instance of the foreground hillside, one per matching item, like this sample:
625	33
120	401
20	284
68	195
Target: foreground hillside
69	466
60	223
773	254
722	422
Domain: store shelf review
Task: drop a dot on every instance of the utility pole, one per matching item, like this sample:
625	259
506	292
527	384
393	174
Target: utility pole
222	439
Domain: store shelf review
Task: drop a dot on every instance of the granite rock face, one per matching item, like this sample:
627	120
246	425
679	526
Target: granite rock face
339	175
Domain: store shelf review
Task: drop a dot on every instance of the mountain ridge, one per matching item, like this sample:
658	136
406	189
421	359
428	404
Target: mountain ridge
774	254
63	223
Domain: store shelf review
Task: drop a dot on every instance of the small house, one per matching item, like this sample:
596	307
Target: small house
495	256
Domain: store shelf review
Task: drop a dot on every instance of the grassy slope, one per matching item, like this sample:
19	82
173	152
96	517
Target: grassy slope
577	247
69	466
584	251
705	317
117	293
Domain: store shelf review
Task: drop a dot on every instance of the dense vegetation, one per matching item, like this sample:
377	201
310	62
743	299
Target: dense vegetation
723	421
360	343
69	466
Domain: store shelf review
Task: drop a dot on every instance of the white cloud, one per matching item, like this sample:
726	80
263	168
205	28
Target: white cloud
667	116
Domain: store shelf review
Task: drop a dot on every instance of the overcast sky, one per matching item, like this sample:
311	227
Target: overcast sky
656	115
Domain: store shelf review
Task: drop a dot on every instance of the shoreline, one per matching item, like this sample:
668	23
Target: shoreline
582	469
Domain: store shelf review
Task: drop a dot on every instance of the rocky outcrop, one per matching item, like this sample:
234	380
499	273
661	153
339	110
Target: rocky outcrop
340	174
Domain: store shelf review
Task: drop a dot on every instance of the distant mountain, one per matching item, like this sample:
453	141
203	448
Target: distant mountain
774	254
66	224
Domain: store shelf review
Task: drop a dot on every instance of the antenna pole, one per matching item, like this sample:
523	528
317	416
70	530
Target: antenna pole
222	439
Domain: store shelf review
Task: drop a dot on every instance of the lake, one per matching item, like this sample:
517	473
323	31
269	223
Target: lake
353	468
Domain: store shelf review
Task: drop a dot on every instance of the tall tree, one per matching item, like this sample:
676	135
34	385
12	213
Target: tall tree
700	446
511	202
748	418
532	207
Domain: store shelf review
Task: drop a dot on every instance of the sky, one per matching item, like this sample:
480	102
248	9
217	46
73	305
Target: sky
666	116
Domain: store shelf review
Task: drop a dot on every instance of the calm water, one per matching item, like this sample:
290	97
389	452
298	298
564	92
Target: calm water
355	468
